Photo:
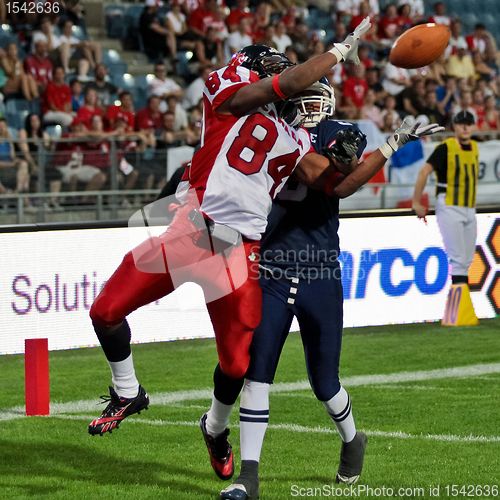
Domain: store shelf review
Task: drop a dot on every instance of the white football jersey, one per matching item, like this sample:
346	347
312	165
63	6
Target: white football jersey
243	161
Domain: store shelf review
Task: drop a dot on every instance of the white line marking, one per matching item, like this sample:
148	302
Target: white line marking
165	398
310	430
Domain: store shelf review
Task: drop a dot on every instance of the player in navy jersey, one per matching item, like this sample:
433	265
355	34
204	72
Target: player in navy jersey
301	277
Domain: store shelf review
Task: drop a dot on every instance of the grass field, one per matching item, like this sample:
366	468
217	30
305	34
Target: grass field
432	414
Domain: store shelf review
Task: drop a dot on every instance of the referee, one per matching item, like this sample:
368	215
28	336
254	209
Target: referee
456	163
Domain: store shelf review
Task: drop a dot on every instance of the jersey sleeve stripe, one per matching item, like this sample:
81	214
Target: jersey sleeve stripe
225	94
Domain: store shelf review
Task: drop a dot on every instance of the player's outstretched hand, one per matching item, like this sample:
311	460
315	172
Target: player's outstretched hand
408	131
348	49
352	40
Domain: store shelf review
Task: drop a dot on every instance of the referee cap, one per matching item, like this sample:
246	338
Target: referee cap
465	117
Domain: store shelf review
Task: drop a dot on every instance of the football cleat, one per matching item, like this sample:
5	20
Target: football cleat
219	451
118	408
351	459
243	489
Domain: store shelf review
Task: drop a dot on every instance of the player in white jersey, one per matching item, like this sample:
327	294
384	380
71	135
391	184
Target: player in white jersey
246	156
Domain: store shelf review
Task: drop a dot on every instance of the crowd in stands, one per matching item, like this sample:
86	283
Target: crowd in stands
62	78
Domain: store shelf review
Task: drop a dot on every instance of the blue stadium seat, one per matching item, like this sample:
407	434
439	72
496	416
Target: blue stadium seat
111	56
114	19
78	32
117	71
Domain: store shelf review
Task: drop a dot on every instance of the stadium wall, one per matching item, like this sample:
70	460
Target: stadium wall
394	271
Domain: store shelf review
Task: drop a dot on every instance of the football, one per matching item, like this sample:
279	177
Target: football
420	45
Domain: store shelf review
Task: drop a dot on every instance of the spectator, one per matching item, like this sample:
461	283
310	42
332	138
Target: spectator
14	173
158	40
413	96
73	49
152	163
18	81
96	151
373	81
267	39
281	38
417	8
125	112
433	109
395	79
482	69
201	18
210	50
261	19
478	105
69	161
193	93
390	117
351	8
239	38
39	65
149	117
176	24
237	13
363	11
389	24
106	91
355	88
180	115
218	23
33	141
162	85
370	111
405	20
46	33
447	94
440	16
169	137
491	114
460	64
56	104
193	133
483	41
465	103
456	38
77	97
89	109
365	57
437	70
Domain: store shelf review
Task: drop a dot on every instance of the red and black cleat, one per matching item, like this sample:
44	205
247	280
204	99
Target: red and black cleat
219	451
118	409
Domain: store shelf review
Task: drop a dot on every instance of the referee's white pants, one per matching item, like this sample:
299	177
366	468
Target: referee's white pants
459	231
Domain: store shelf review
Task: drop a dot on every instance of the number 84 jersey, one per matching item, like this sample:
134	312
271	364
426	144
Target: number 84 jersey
243	161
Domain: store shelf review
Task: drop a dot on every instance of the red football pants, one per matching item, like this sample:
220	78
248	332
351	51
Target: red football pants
234	316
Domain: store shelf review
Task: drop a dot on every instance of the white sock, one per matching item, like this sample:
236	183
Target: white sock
218	417
124	380
254	419
339	409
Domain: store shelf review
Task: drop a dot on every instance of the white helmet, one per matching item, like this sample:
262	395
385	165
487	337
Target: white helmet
316	103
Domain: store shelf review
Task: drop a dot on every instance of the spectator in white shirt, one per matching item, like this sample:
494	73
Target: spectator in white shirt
71	48
240	38
281	38
395	79
181	119
195	89
162	85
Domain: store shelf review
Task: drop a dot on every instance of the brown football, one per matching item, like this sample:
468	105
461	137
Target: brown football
420	45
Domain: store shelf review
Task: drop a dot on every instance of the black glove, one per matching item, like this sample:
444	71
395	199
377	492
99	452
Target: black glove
346	145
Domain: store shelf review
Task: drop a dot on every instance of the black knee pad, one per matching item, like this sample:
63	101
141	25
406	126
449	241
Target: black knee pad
226	389
115	341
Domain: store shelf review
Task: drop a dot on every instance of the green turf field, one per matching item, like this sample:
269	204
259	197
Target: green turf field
432	415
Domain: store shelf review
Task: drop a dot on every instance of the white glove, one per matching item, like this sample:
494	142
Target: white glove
348	49
408	131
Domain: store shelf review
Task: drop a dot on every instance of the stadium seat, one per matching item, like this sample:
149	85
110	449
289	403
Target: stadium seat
78	32
117	72
111	56
114	19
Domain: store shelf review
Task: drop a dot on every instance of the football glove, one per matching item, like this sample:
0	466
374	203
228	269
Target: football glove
348	49
408	131
346	145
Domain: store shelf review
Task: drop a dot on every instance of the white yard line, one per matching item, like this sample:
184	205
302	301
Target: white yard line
165	398
309	430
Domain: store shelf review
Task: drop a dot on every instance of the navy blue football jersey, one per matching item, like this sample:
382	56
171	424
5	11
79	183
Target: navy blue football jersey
302	229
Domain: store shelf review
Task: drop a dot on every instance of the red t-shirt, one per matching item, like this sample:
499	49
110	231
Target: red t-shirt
85	114
235	16
145	119
356	89
41	69
115	112
200	19
57	95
